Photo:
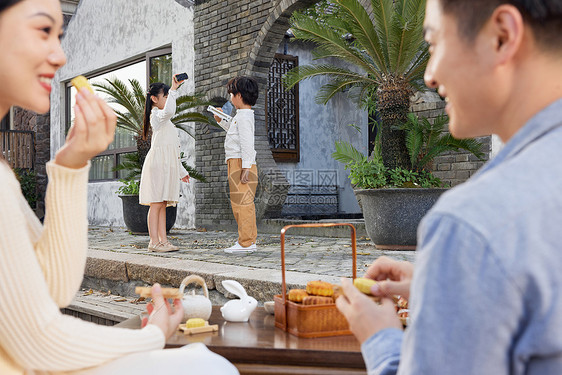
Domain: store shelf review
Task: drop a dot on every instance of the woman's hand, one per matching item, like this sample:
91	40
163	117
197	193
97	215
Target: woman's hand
185	179
161	313
394	277
93	130
175	83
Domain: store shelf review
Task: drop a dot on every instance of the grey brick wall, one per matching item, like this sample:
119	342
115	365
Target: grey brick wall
40	124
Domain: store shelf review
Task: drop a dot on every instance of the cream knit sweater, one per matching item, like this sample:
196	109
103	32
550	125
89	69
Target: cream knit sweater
41	269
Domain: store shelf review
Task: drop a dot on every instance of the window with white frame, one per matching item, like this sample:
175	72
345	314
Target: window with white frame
154	66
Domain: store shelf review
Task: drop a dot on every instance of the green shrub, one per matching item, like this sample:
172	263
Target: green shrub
129	187
28	183
372	174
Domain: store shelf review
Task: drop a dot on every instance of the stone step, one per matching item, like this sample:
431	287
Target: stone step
273	226
103	307
122	272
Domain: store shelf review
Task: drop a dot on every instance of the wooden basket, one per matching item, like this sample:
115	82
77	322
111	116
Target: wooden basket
311	320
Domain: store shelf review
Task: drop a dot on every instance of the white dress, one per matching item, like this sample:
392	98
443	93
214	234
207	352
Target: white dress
162	169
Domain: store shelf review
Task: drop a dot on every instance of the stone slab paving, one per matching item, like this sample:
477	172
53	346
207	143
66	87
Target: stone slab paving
303	254
319	255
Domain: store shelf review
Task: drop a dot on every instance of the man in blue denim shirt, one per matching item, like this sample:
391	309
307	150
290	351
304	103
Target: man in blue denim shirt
486	294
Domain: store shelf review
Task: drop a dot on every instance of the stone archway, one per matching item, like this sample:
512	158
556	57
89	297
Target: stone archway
239	38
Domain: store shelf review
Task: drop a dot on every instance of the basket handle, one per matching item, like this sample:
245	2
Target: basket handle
315	225
197	280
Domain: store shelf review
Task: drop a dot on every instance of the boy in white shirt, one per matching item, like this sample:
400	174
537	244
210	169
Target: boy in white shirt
240	157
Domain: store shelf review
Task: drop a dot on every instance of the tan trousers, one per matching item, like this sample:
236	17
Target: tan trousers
242	201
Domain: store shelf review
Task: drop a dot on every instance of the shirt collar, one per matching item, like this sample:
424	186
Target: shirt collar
540	124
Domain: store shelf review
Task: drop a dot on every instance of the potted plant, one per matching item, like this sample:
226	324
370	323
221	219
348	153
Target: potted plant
135	214
132	98
394	200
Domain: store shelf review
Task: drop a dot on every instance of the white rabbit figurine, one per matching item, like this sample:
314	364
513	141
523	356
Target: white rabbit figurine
238	310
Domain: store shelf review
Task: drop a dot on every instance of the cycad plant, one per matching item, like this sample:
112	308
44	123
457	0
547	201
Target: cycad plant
388	47
425	140
131	118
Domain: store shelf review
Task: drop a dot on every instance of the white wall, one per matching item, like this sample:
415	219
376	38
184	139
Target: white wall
109	32
322	125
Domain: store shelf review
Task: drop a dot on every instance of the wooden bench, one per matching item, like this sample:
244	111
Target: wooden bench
311	200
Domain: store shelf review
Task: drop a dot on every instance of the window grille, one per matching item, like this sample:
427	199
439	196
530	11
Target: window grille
282	109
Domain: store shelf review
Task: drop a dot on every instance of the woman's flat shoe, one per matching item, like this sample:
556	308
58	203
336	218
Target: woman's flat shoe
162	248
168	247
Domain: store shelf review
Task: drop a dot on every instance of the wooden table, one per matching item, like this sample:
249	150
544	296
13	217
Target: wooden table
257	347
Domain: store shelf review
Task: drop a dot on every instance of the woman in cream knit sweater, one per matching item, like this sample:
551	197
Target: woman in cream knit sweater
41	266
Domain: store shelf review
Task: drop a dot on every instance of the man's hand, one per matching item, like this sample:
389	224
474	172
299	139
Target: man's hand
365	317
244	175
91	133
161	312
394	277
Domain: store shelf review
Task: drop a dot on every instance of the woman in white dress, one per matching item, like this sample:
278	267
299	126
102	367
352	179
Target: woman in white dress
162	170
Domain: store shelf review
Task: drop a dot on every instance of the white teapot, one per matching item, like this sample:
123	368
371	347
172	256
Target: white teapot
195	305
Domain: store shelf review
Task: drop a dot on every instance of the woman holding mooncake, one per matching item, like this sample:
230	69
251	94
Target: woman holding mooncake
41	266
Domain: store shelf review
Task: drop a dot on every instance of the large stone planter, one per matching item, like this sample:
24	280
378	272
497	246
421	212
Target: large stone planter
135	215
392	215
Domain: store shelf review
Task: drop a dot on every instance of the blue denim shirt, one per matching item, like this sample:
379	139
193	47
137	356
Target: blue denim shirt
486	295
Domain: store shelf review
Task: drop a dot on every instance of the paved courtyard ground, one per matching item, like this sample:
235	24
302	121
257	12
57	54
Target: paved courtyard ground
305	254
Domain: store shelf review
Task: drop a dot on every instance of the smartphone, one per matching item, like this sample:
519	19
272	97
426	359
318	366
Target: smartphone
181	77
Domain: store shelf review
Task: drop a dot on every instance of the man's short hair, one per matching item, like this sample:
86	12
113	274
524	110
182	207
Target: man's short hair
246	86
543	16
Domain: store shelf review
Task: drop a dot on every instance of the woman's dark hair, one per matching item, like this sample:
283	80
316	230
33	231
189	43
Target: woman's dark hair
246	86
153	90
5	4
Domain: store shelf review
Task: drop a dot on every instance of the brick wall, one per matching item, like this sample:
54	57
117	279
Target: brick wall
453	167
40	124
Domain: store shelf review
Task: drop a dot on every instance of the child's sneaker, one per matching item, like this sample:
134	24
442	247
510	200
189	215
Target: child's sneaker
237	248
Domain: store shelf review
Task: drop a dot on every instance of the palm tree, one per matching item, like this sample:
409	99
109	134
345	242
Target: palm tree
132	116
390	51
